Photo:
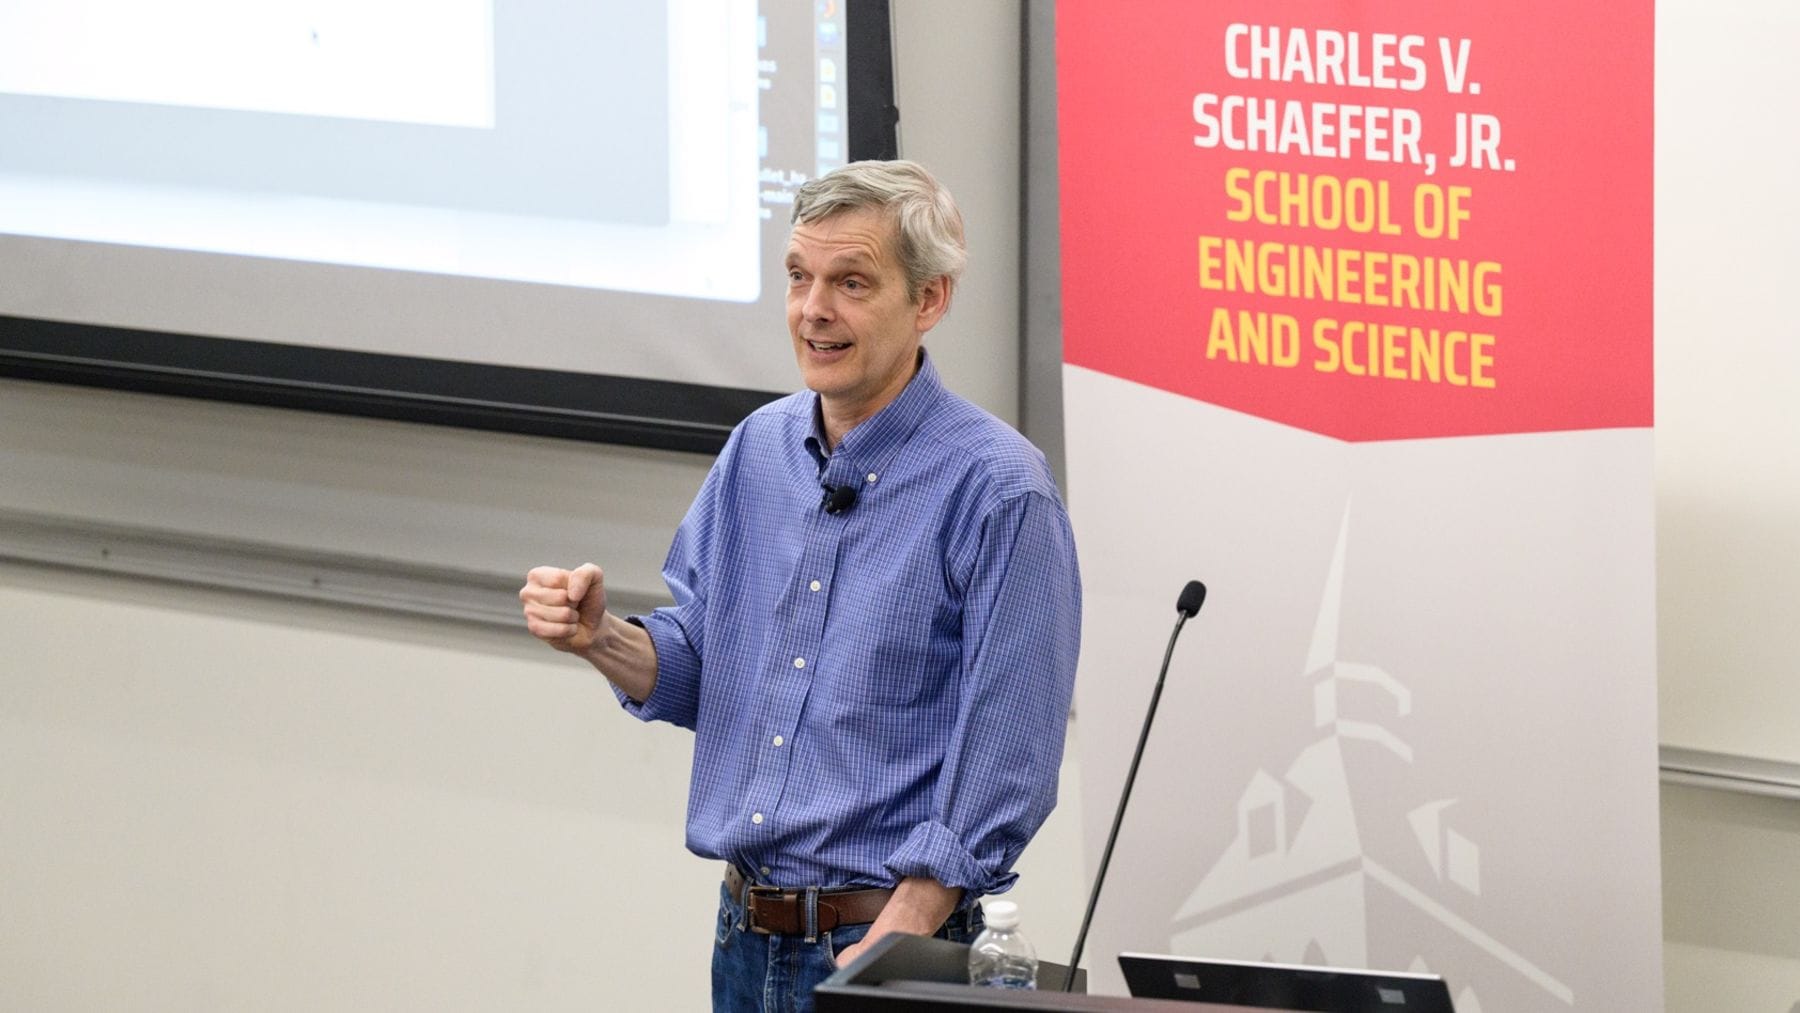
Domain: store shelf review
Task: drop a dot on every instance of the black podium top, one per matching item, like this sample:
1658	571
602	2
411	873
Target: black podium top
918	974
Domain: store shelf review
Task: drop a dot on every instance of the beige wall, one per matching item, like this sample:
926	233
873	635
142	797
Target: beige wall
1731	901
218	802
1728	365
1728	491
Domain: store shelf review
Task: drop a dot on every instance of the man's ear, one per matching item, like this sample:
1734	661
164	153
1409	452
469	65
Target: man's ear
934	302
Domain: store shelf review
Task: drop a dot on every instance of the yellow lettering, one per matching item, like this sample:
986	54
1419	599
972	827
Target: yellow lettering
1481	360
1349	273
1234	188
1452	341
1405	291
1328	358
1351	366
1428	210
1392	351
1459	210
1374	278
1300	200
1487	288
1403	352
1209	263
1260	337
1427	355
1218	336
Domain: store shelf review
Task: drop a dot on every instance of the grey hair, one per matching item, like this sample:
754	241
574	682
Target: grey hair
928	226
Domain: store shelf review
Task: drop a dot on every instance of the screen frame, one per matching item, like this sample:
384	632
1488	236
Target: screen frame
632	411
1266	985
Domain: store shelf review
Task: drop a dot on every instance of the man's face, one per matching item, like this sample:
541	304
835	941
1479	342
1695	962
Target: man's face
856	331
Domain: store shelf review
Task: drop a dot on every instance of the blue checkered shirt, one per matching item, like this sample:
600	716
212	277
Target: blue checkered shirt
882	692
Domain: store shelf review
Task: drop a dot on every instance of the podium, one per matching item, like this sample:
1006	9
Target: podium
919	974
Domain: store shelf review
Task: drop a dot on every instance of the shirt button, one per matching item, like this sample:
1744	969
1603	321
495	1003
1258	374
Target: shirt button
815	585
778	740
799	662
872	477
756	818
765	871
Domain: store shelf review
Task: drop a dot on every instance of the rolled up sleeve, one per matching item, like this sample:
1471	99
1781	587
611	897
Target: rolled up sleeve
1021	638
676	696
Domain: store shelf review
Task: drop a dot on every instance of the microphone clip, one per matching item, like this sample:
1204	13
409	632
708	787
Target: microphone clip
838	498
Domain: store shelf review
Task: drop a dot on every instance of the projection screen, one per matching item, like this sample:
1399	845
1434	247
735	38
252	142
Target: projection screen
562	217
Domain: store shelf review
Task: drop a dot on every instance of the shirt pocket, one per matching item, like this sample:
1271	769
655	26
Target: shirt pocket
895	623
893	677
908	651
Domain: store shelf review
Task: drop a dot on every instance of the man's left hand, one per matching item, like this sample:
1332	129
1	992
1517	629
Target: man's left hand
854	950
918	906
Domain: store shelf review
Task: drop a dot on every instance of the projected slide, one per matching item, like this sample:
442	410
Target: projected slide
311	57
477	138
563	217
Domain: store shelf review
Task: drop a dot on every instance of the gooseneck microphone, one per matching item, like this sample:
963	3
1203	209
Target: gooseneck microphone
838	498
1188	604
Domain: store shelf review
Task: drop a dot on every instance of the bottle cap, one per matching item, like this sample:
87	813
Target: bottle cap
1001	914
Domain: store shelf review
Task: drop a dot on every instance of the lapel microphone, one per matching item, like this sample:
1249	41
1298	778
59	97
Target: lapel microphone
838	498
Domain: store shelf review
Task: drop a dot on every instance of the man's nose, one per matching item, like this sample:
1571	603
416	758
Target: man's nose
818	305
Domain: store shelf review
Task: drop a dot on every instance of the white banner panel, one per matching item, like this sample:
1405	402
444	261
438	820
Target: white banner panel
1414	726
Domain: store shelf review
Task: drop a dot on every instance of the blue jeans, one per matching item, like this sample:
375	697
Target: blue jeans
754	973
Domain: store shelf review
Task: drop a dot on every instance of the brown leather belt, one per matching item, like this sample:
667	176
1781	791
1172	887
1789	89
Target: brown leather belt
773	911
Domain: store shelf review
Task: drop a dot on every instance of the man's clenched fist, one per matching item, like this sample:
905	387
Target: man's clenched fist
564	608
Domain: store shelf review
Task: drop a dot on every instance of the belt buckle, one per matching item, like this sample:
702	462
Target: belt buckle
756	891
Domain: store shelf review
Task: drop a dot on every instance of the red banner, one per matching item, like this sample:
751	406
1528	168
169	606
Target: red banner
1371	221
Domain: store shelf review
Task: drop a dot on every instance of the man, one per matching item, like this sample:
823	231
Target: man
876	618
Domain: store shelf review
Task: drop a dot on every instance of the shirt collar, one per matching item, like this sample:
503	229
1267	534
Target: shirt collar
816	444
873	441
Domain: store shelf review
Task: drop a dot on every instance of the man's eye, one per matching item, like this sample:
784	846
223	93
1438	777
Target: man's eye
794	274
852	284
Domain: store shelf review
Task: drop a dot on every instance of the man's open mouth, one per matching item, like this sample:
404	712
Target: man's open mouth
822	346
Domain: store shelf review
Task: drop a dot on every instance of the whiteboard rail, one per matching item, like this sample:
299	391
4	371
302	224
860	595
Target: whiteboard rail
490	599
1729	772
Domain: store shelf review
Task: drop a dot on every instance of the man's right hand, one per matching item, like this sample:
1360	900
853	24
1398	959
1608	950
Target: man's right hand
564	608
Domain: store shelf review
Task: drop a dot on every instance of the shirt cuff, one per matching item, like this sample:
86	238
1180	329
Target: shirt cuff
674	698
934	852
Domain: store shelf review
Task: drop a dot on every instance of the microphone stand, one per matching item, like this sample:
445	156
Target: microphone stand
1189	604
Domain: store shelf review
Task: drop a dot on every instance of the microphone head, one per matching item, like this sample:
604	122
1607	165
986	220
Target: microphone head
839	498
1192	597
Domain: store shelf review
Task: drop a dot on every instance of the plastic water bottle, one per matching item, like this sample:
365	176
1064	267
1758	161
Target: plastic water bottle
1001	957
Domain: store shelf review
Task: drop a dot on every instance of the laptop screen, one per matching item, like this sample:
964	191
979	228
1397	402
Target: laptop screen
1283	986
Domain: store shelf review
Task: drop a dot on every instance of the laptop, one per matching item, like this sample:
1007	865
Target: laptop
1283	986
